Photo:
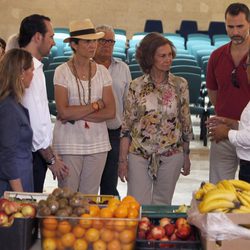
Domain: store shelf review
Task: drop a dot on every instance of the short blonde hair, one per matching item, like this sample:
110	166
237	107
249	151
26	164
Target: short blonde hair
12	65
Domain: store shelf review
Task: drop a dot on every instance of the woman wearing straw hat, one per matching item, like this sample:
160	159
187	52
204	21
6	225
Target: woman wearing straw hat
84	101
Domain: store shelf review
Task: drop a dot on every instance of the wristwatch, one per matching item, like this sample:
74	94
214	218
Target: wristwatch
52	161
95	106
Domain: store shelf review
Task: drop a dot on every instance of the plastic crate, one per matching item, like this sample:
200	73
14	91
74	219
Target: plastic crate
122	230
155	213
21	235
158	211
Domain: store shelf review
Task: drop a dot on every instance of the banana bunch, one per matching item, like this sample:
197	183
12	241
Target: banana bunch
226	196
204	188
181	209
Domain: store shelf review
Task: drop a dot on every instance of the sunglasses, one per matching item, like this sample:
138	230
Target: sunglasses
106	41
234	78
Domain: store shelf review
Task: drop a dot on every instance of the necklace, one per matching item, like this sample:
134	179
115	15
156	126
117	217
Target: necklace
79	83
164	80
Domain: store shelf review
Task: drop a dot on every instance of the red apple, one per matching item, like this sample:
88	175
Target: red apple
169	229
184	231
11	207
158	232
149	236
145	219
141	235
144	226
28	211
164	221
3	202
3	218
180	221
174	237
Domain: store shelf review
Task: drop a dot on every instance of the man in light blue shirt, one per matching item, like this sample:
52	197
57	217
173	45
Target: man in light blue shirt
121	79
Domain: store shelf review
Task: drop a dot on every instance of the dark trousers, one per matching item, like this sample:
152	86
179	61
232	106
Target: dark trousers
244	173
39	172
109	179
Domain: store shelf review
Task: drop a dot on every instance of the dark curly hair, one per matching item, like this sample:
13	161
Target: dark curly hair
147	48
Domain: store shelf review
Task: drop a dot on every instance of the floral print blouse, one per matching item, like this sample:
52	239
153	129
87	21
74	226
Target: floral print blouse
158	121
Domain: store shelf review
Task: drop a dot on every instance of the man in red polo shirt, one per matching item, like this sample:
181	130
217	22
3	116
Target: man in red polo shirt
228	87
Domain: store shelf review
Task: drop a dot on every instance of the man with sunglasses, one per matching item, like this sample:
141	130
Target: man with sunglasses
121	78
228	88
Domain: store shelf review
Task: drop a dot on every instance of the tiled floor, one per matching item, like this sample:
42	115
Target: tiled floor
186	184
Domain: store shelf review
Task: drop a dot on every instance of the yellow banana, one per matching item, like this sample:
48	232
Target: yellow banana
238	211
216	194
221	210
205	207
242	199
239	184
246	197
220	186
198	195
228	185
206	186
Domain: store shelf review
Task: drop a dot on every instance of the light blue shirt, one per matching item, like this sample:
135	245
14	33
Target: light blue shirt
121	79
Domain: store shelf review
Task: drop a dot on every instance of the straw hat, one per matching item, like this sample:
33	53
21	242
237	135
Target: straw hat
83	30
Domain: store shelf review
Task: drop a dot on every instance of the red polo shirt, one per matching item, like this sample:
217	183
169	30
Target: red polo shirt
230	100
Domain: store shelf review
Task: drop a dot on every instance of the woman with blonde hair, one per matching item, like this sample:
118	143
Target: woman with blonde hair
16	72
84	101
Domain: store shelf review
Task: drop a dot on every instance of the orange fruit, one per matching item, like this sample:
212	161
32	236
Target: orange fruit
114	202
99	245
131	223
48	233
134	205
68	239
128	198
94	210
50	223
114	245
107	235
119	225
78	231
133	213
121	212
129	246
59	245
85	222
98	224
127	236
106	212
92	235
109	224
49	244
80	244
64	227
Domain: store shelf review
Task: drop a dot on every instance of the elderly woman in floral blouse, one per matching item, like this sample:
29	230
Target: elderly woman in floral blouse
156	128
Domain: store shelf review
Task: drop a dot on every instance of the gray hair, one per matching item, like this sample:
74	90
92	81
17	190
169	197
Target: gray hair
105	28
12	42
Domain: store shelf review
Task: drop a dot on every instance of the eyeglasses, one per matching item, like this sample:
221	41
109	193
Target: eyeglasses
234	78
106	41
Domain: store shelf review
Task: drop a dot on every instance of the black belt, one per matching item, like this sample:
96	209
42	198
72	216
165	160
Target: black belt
117	129
244	161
